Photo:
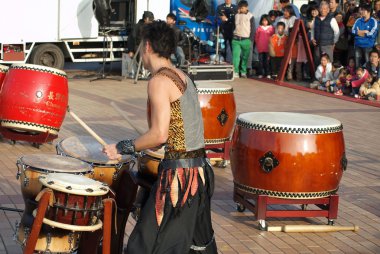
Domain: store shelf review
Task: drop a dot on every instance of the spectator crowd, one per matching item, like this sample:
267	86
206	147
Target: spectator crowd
343	38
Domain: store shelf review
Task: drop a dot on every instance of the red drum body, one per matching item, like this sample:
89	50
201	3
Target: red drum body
77	199
34	98
287	155
218	107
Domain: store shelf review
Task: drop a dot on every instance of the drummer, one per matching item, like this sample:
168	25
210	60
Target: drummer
176	218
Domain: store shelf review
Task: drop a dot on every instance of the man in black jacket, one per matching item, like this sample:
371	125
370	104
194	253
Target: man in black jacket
226	13
179	54
134	37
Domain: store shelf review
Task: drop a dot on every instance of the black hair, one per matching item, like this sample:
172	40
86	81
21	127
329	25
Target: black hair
161	37
366	7
280	24
304	9
284	1
337	64
326	56
243	3
290	9
172	16
374	51
266	17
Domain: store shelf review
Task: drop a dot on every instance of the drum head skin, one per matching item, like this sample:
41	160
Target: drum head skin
86	148
74	184
55	163
289	122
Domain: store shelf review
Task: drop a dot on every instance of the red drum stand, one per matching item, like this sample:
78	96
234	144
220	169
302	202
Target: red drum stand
219	151
258	204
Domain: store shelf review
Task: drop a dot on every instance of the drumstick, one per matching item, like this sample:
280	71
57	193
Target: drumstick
123	114
312	228
88	129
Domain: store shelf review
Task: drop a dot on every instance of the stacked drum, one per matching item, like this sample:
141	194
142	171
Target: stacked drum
287	155
3	73
33	100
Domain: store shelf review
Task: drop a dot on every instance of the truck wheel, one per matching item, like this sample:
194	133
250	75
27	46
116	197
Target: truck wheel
48	55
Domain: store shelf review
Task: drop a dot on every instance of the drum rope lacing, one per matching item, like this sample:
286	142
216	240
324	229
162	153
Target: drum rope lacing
293	130
37	69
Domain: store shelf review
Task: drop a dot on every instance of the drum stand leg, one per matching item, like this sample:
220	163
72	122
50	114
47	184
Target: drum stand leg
37	224
107	225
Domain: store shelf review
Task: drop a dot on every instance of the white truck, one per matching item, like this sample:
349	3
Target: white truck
46	32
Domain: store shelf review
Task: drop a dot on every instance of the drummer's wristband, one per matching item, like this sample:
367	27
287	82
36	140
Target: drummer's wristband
126	147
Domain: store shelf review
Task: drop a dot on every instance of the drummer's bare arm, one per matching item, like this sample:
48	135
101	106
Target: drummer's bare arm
159	97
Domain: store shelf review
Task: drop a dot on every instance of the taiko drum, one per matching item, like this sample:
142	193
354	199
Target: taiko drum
218	107
34	98
287	155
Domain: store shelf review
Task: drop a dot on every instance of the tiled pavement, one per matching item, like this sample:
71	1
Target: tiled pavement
235	232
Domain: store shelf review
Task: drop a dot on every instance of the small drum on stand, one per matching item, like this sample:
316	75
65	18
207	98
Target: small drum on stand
77	204
287	155
218	107
30	168
34	102
87	149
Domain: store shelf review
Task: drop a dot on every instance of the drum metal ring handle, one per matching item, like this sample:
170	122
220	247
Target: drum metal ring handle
22	165
268	162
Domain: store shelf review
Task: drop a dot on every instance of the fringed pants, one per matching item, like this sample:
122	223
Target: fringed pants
185	227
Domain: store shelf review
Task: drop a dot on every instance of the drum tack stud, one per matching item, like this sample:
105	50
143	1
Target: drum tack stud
103	188
69	188
89	190
50	182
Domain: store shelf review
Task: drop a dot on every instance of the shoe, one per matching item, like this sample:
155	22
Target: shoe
243	75
339	92
236	75
268	76
260	76
357	96
322	88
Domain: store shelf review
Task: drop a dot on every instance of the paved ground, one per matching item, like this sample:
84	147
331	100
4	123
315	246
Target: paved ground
235	232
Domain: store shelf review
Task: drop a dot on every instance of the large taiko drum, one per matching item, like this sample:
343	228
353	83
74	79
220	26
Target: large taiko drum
87	149
34	98
78	201
287	155
218	107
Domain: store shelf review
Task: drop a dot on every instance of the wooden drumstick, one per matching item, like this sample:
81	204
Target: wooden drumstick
123	114
88	129
312	228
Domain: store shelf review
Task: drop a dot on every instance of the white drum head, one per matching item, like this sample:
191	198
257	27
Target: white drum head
74	184
41	68
86	148
289	122
55	164
213	88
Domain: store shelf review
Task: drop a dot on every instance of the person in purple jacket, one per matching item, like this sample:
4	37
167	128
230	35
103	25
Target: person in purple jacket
365	32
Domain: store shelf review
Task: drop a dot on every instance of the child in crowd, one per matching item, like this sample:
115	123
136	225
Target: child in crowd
370	88
341	82
333	86
323	74
262	38
243	37
361	77
351	67
277	48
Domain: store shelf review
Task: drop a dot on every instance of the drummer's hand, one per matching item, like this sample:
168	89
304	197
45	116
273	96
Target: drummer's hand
111	152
